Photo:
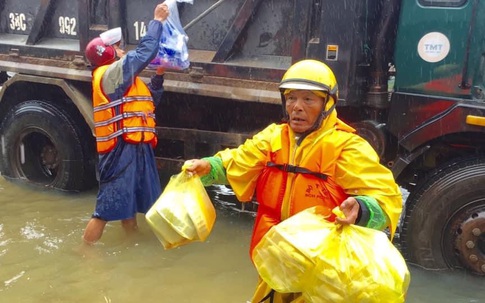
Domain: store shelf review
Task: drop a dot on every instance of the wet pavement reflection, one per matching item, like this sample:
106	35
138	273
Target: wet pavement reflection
42	258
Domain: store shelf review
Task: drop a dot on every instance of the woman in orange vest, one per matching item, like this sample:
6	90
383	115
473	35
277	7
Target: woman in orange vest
312	159
124	120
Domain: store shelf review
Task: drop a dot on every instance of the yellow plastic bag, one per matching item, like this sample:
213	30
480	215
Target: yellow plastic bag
183	213
285	257
342	263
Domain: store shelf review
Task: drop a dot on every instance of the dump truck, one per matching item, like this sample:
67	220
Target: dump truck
411	78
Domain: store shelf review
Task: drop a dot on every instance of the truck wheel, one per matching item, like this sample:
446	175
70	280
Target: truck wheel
42	145
444	223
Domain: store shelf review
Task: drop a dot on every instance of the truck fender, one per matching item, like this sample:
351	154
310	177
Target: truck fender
81	99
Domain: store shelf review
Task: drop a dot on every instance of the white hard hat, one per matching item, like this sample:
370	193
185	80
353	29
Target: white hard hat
111	36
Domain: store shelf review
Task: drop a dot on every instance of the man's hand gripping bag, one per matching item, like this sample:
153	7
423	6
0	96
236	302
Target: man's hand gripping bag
328	262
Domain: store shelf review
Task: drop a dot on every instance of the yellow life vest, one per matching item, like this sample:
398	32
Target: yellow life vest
311	186
132	116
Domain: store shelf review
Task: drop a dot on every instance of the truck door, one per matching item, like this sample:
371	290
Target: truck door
434	47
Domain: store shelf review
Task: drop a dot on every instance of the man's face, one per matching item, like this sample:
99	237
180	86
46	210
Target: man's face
120	53
303	108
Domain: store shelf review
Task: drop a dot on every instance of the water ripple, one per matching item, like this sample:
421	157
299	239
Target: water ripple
10	281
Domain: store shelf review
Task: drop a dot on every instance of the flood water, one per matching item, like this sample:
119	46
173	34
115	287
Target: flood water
42	259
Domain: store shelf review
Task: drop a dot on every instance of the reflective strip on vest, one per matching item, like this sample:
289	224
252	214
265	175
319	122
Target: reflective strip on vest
120	117
131	117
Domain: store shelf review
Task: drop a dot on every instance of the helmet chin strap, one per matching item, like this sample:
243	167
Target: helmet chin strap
323	115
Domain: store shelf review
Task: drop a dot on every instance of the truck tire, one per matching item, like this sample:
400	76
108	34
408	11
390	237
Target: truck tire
42	145
444	223
3	77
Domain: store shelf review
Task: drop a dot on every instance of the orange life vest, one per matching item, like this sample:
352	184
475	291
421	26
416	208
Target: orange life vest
310	187
132	116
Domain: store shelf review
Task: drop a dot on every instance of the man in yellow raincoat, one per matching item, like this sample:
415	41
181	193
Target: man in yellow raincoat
312	159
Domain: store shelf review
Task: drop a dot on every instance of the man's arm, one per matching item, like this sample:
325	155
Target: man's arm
121	74
156	85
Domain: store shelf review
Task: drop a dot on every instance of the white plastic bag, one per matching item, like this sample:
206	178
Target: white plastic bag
173	52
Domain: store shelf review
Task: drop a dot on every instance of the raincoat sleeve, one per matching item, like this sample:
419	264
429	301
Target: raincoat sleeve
244	164
359	173
217	174
156	88
371	214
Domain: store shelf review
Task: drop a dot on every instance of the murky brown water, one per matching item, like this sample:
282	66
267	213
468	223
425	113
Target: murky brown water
42	260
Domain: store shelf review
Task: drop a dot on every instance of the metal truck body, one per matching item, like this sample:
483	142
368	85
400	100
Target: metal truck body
410	74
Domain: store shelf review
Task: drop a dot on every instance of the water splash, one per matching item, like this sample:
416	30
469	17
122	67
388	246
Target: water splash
30	232
3	242
33	232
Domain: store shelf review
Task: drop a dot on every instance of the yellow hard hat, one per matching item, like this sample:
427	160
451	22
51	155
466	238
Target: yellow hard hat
310	75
